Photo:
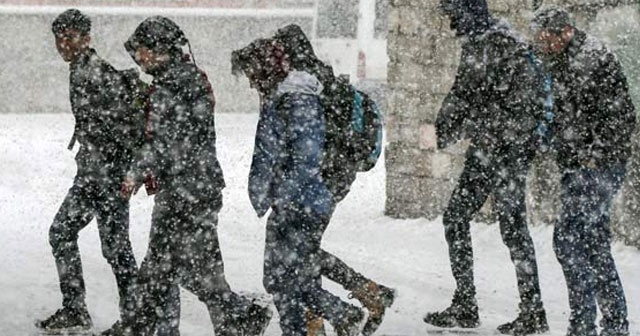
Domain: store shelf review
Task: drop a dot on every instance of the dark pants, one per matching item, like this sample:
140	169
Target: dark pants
85	200
88	199
484	174
339	272
292	270
582	242
184	250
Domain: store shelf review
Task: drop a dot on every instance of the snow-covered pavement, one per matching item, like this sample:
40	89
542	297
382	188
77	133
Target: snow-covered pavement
36	170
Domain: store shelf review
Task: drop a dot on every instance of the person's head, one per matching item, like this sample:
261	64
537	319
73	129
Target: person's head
72	31
156	42
467	17
264	62
553	28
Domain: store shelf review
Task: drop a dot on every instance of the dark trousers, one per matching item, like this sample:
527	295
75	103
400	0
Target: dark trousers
582	242
85	200
184	250
292	270
484	174
339	272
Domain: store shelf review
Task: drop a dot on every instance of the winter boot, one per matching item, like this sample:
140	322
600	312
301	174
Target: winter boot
315	324
351	323
376	299
66	319
256	320
117	329
463	313
526	324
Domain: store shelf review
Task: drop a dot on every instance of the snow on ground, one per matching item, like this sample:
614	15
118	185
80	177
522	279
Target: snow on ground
36	170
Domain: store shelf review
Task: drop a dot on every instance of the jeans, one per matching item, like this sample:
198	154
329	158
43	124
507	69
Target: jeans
582	243
292	270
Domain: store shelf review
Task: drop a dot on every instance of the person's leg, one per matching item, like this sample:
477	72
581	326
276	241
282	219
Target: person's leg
609	291
158	274
113	227
169	324
202	272
571	252
74	214
474	186
510	198
295	282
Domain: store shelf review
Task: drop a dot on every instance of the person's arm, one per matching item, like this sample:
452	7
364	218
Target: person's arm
616	119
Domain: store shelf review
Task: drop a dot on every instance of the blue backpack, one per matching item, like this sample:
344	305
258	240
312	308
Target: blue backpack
353	141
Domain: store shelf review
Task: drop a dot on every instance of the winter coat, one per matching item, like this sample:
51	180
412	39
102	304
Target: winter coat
105	126
595	116
181	139
287	158
497	97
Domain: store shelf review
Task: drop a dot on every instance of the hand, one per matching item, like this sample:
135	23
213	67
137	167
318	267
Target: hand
129	187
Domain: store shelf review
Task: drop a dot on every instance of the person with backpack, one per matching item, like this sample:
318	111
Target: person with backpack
285	177
180	152
496	102
594	121
346	152
107	131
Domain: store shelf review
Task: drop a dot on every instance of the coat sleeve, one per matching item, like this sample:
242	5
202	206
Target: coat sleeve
455	109
617	120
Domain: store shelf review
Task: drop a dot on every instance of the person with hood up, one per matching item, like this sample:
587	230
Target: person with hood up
107	131
375	297
594	121
496	102
285	177
180	152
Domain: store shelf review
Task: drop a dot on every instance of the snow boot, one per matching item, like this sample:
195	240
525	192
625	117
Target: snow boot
315	324
351	323
463	313
376	299
66	319
526	324
256	320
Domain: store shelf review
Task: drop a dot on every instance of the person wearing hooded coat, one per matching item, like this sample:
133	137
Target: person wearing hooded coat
496	102
338	175
107	132
594	121
181	154
285	177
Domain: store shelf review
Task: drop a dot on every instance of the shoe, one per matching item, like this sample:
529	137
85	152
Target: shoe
315	324
376	299
461	314
351	323
117	329
66	319
526	324
256	321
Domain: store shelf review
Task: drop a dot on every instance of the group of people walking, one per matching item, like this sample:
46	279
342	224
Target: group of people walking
563	92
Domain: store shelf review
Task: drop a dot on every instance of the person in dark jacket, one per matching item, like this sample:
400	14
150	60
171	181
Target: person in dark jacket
181	154
375	297
593	123
286	177
107	133
495	102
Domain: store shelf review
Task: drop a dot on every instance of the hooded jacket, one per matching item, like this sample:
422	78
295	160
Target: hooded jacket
286	168
595	116
181	145
497	98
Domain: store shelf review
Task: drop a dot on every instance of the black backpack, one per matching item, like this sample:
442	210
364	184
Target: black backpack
353	140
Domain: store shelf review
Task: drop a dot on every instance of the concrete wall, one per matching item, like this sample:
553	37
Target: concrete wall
33	77
423	57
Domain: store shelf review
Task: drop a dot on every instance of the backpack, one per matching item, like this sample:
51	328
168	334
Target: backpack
353	139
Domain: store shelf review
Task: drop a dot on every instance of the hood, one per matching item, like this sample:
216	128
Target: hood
467	17
300	82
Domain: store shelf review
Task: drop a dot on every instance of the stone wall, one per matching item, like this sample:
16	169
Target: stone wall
423	57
